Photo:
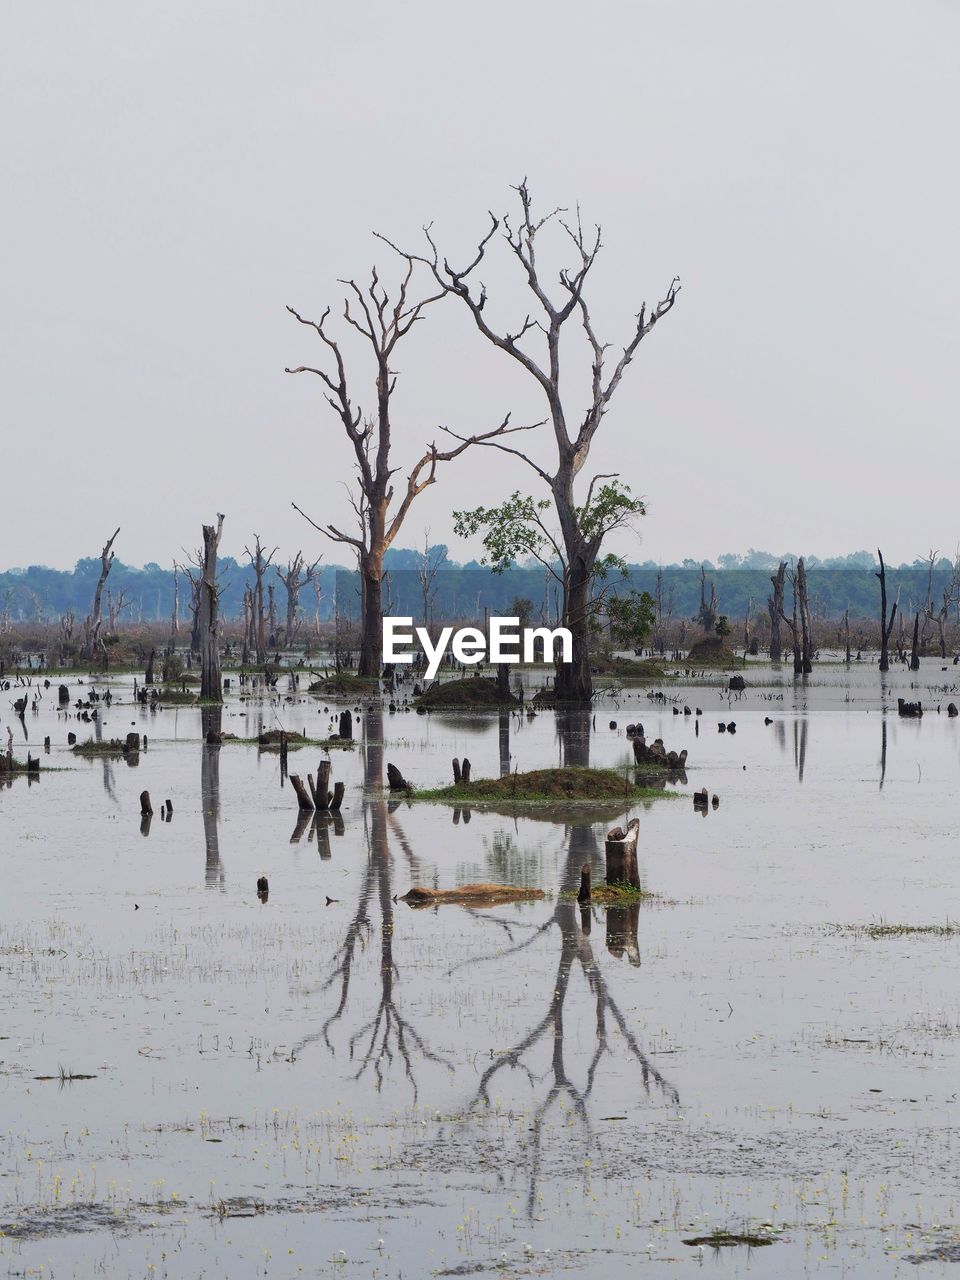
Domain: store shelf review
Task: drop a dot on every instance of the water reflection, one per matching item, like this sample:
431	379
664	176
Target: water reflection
576	954
210	721
388	1036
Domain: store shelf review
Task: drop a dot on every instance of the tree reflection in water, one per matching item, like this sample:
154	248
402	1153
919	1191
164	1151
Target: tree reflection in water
210	720
388	1035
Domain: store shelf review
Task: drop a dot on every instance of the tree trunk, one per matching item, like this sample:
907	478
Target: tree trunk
211	686
775	609
573	682
915	651
806	651
371	629
95	620
885	626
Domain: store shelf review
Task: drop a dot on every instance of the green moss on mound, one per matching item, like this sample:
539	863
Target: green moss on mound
547	786
712	652
628	668
475	691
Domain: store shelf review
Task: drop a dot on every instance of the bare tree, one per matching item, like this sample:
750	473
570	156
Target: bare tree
383	324
296	577
775	610
427	570
885	626
260	563
707	613
94	621
806	646
175	615
211	686
582	526
950	597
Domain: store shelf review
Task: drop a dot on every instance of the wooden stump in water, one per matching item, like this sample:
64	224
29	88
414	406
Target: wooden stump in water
337	800
132	743
63	695
584	893
345	729
322	795
146	808
395	779
456	772
621	849
465	770
303	800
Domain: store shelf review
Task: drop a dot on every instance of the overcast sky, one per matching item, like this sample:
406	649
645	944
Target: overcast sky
175	174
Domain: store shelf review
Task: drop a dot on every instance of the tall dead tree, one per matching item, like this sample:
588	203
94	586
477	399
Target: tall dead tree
775	610
94	620
294	579
915	649
382	324
885	626
707	613
806	641
260	563
583	523
175	614
793	624
211	686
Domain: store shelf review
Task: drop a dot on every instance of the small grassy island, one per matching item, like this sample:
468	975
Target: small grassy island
570	787
478	692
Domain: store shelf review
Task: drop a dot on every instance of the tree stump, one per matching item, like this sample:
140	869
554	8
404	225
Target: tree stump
395	779
584	893
303	800
146	808
322	796
465	770
345	729
337	800
456	772
621	849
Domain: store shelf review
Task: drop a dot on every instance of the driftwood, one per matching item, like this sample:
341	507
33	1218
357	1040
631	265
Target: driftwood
470	895
621	850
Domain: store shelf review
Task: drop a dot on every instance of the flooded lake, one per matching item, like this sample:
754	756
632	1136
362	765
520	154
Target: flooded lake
195	1082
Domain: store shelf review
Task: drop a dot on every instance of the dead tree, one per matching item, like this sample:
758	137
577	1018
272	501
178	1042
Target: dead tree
175	615
583	523
915	649
427	570
94	621
297	575
382	324
793	624
775	609
211	686
886	627
950	597
114	609
260	563
806	642
707	613
663	612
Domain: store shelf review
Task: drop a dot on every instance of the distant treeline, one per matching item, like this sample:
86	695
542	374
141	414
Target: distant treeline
469	590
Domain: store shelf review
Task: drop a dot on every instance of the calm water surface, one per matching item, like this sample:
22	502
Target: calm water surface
333	1084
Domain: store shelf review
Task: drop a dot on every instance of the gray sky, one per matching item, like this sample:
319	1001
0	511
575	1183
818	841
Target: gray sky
175	174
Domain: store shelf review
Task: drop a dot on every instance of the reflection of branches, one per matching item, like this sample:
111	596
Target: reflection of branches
574	949
519	946
388	1035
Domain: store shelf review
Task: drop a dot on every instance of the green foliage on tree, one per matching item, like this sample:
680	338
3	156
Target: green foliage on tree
631	618
722	626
